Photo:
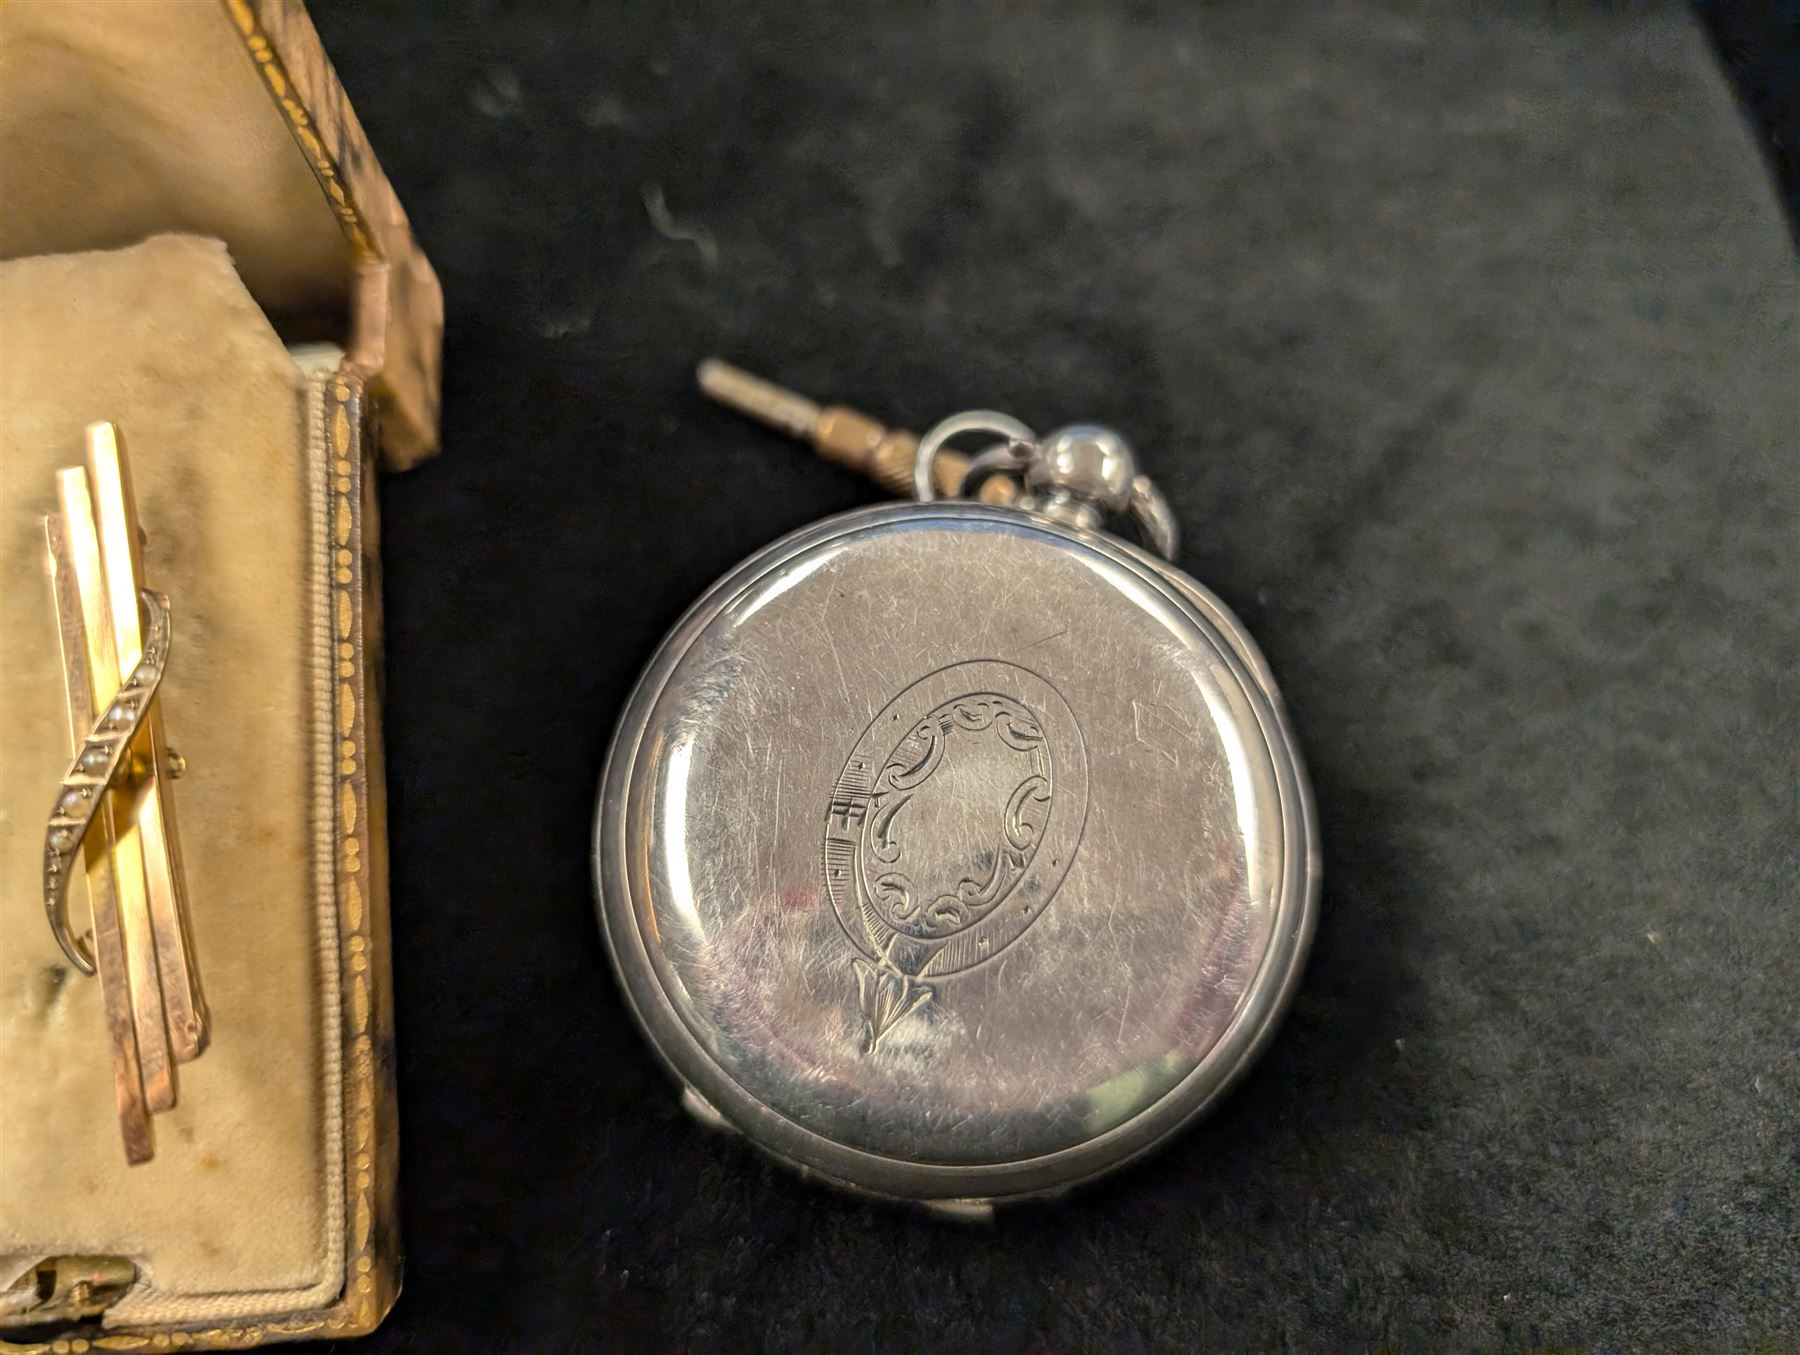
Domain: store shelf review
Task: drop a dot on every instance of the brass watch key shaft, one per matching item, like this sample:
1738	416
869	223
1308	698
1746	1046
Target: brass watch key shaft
841	434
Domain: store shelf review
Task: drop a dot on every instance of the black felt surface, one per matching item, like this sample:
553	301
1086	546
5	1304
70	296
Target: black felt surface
1466	351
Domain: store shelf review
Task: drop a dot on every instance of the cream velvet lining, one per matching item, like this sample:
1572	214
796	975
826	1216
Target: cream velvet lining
122	120
241	1212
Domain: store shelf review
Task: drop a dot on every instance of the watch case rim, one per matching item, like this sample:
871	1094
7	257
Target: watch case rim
816	1156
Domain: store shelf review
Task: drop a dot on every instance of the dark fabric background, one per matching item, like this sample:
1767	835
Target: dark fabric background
1466	350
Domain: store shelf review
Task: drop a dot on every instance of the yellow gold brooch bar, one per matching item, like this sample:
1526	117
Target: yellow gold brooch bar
114	813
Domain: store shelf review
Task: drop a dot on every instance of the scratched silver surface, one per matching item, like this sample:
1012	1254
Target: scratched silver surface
950	853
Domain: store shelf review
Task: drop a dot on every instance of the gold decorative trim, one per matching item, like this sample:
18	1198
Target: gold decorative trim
355	747
300	122
396	305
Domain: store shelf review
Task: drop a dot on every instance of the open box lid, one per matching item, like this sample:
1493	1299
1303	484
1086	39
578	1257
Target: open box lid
221	118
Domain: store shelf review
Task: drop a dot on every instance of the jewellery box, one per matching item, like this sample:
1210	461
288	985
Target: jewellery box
197	245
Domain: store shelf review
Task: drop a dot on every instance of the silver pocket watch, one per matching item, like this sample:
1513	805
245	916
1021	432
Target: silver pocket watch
957	851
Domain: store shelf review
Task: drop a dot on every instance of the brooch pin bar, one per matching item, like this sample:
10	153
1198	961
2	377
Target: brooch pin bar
114	813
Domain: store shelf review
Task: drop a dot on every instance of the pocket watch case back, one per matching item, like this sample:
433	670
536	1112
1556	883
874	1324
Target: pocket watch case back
953	854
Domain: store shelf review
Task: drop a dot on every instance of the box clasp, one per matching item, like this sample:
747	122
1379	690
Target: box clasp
66	1289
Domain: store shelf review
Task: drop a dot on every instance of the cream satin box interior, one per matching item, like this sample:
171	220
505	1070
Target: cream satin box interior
197	244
